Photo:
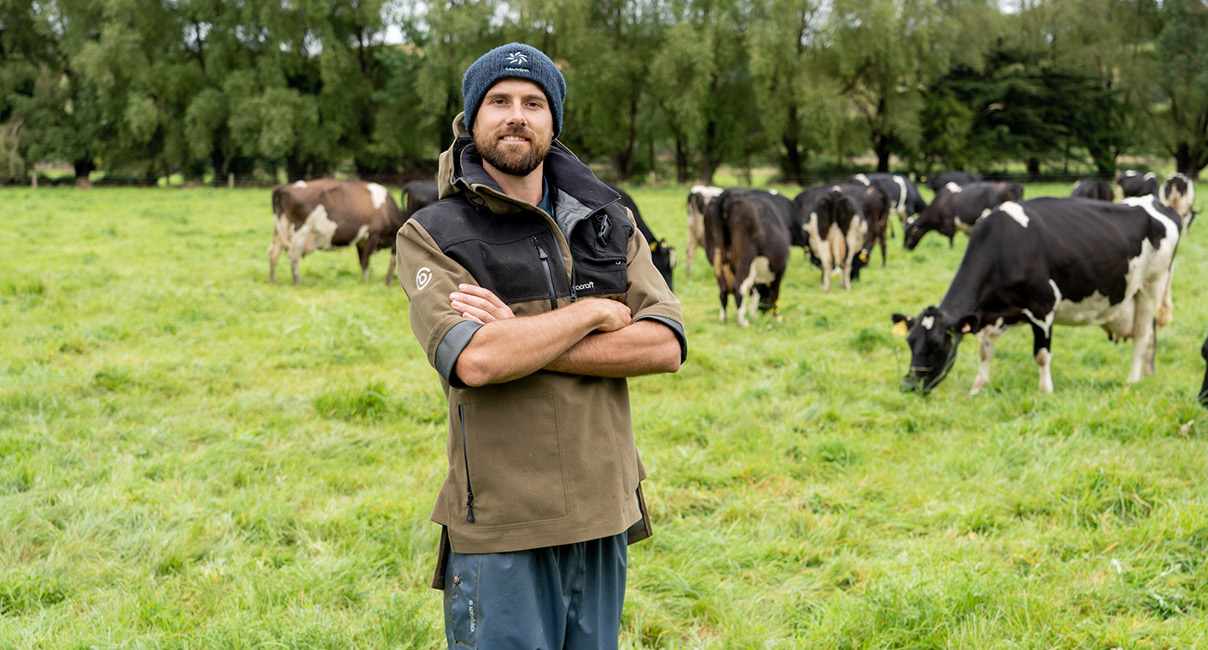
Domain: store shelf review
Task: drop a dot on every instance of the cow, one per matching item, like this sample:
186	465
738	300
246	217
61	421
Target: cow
416	195
938	181
1051	261
900	192
325	214
1204	388
1135	183
1093	188
749	243
1178	193
958	207
699	198
661	253
838	227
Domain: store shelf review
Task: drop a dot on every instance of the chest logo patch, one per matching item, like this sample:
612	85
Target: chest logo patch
422	278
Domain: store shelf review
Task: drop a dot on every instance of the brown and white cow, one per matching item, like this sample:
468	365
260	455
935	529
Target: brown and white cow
699	198
325	214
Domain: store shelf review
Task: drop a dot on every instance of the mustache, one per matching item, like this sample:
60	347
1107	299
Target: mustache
516	130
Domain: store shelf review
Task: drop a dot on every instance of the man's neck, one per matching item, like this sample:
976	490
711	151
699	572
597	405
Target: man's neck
524	188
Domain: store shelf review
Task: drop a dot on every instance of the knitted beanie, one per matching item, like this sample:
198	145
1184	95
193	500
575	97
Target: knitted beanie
513	61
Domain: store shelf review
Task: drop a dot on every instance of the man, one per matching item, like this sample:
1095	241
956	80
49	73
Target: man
534	297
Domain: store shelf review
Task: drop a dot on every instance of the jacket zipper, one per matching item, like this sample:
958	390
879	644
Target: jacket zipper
461	413
549	275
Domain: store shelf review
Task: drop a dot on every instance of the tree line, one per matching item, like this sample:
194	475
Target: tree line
208	88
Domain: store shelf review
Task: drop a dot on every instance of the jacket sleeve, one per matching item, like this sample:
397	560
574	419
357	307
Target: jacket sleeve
429	276
648	296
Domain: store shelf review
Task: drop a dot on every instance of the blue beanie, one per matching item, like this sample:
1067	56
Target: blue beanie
513	61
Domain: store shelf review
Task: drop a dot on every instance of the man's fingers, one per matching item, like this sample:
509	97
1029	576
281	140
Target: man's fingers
480	292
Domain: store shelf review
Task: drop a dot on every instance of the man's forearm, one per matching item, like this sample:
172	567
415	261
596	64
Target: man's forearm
642	348
511	348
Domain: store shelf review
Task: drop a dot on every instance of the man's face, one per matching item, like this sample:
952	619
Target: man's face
514	127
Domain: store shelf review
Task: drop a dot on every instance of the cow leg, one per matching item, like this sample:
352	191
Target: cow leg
364	248
1146	302
295	254
1042	341
986	338
274	251
390	267
744	294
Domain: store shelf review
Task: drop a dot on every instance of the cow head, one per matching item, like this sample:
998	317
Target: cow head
1204	389
933	338
663	257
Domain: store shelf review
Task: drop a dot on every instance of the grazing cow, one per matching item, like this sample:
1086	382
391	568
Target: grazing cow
1094	188
749	242
959	207
416	195
938	181
1204	388
900	192
661	253
838	227
1066	261
1178	192
699	198
1135	183
325	214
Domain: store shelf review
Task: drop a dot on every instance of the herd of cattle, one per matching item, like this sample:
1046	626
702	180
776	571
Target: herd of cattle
1083	260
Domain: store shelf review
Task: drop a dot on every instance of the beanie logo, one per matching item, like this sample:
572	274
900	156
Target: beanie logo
516	59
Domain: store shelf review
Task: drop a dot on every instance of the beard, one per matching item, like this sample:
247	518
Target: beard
512	159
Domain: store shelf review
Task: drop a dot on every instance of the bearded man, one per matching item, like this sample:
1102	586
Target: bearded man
533	296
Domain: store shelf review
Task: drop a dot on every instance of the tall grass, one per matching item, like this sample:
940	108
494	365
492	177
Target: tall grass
191	457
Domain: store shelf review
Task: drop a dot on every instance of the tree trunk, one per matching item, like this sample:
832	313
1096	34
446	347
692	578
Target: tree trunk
792	153
681	162
1033	168
218	161
881	144
706	168
83	167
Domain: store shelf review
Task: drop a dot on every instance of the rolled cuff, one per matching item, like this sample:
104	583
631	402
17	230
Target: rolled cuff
675	327
450	347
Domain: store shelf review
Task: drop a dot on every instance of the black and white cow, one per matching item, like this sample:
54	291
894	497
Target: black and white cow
1093	188
1178	192
958	207
326	214
1204	388
1045	262
699	198
1135	183
749	243
838	227
662	254
900	192
937	181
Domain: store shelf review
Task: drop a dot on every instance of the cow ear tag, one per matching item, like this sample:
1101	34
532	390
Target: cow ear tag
966	329
654	246
899	328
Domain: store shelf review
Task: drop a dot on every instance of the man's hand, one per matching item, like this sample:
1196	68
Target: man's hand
615	313
479	305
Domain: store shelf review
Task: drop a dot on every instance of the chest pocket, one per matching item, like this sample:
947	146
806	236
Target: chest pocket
599	245
509	262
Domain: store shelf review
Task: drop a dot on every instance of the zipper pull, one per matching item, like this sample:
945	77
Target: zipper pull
469	506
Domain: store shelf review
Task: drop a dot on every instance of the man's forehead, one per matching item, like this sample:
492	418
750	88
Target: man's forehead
516	87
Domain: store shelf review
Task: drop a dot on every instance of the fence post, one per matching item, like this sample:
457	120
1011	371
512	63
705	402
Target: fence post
33	180
230	181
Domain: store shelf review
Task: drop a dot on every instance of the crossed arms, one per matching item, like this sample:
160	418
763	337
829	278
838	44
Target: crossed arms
593	336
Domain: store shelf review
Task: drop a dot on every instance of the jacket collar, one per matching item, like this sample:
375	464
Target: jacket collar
461	172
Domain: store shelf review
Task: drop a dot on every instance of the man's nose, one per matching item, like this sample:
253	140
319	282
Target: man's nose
516	114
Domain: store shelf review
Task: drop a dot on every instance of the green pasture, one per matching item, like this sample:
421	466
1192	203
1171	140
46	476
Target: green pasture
193	458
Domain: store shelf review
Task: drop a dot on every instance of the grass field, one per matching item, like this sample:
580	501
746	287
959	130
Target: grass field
191	457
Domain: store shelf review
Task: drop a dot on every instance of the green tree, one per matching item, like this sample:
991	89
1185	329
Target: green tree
1181	117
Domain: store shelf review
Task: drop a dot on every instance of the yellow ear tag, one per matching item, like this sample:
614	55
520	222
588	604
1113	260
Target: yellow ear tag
899	328
864	257
654	246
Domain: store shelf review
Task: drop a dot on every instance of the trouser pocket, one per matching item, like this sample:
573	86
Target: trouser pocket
461	600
